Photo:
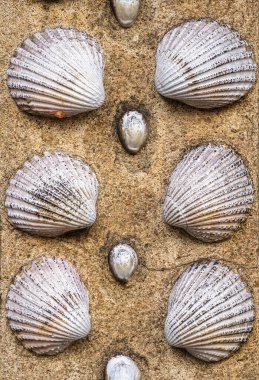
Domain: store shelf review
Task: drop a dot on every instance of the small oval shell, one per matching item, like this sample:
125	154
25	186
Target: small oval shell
210	193
204	64
133	131
51	195
126	11
57	72
122	368
123	262
210	311
48	306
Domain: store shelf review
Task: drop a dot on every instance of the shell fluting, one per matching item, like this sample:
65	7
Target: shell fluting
210	193
122	368
57	72
48	306
123	262
52	195
126	11
204	64
210	311
132	131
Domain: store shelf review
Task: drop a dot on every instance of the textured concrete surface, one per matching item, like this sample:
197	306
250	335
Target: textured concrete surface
127	319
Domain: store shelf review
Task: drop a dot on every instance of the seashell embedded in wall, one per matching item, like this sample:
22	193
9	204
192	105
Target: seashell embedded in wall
133	131
123	262
126	11
57	72
210	193
52	194
122	368
210	312
204	64
48	306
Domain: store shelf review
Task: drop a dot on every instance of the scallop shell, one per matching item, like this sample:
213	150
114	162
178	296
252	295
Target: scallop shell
122	368
132	131
210	193
123	262
126	11
57	72
210	311
52	194
48	306
204	64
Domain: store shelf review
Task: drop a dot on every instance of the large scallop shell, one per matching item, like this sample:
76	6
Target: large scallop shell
57	72
126	11
204	64
48	306
122	368
52	194
210	311
209	193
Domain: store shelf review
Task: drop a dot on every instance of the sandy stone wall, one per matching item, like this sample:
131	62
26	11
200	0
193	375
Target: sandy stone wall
127	319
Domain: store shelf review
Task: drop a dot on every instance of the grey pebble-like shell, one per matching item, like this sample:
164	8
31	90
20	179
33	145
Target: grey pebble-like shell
57	72
48	306
122	368
210	312
204	64
210	193
123	262
52	194
126	11
133	131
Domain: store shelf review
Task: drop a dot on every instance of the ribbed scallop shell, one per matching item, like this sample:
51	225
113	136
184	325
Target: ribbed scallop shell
52	194
57	72
48	306
122	368
204	64
210	311
126	11
210	193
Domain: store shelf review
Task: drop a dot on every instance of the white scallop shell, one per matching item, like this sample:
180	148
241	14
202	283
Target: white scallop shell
48	306
133	131
123	262
126	11
210	193
204	64
210	311
122	368
52	194
57	72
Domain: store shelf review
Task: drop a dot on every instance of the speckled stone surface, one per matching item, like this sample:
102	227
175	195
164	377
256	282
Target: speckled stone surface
127	319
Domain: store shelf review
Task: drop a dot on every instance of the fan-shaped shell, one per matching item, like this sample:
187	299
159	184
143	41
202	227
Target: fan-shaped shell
123	262
132	131
210	311
204	64
122	368
52	194
48	306
126	11
210	193
57	72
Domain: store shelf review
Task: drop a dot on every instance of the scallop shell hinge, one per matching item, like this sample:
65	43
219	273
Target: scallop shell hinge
210	193
122	368
210	312
48	306
204	64
57	72
52	194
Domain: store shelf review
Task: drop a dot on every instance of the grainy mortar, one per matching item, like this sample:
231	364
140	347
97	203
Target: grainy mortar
127	319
